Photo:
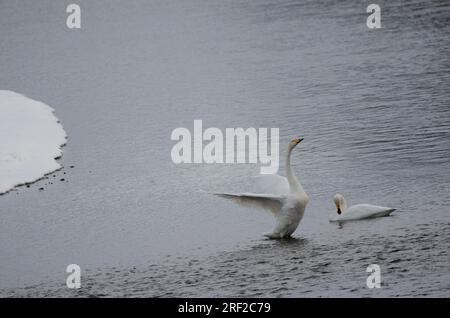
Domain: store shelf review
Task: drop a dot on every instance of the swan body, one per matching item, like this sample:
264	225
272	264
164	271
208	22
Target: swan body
357	211
284	197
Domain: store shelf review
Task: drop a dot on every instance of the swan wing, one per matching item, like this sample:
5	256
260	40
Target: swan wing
369	210
272	183
270	202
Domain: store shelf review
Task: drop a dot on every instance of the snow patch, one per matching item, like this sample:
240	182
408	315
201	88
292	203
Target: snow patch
31	138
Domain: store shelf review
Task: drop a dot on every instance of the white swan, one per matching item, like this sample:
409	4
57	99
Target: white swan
284	197
357	211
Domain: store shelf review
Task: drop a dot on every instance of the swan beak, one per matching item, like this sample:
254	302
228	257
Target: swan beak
338	208
297	141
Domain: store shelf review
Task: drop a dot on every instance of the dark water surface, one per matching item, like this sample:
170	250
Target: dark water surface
373	106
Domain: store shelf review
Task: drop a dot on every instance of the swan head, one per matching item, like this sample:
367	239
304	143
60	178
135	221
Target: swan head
295	142
339	201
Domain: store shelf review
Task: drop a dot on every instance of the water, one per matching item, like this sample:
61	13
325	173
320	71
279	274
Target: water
373	106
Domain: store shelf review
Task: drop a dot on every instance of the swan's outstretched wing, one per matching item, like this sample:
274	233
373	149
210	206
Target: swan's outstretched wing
270	202
272	183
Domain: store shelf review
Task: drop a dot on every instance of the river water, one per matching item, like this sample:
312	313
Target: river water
373	106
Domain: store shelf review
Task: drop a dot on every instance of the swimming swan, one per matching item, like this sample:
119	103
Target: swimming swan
284	197
358	211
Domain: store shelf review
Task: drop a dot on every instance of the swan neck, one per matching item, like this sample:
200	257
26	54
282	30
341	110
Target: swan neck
294	185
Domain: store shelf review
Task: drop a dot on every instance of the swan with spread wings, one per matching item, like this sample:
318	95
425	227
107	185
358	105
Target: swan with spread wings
283	196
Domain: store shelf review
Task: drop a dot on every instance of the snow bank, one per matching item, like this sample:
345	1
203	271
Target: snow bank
30	140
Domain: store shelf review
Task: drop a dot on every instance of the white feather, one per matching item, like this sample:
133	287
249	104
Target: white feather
284	197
